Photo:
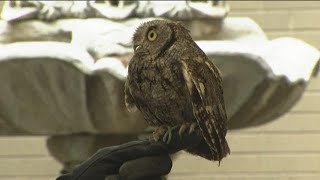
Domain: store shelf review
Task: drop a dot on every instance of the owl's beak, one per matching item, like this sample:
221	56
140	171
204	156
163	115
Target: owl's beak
136	47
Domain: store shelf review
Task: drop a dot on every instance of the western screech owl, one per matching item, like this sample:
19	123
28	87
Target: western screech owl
172	82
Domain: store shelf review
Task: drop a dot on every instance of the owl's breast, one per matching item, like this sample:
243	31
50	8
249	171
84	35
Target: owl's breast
155	81
159	90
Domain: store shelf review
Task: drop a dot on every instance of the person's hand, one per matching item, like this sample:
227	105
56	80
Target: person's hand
134	160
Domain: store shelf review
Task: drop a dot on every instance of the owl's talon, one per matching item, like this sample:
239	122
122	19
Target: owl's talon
165	136
192	128
182	129
168	135
185	126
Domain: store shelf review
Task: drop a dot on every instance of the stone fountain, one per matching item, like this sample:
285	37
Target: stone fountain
63	67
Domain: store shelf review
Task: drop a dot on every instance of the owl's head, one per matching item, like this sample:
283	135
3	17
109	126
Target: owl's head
156	36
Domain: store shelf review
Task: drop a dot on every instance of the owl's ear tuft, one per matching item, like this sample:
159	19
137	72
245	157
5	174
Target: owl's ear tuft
179	29
179	23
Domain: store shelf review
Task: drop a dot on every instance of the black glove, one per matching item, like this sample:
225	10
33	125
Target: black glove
137	160
134	160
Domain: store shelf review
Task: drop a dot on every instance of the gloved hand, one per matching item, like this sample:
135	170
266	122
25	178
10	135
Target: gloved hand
134	160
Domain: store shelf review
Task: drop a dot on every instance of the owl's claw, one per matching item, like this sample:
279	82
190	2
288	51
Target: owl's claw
166	131
183	128
191	126
168	135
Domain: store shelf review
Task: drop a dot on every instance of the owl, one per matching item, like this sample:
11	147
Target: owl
173	83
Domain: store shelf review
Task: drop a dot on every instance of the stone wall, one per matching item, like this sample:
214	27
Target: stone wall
283	18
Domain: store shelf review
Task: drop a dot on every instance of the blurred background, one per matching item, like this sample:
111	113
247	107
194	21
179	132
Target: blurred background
285	148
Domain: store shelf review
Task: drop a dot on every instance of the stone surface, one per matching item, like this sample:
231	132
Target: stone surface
51	91
32	31
53	10
263	82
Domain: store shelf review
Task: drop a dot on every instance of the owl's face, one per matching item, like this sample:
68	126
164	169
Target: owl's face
153	37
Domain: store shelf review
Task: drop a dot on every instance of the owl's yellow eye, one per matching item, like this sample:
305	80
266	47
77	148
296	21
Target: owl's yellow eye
152	35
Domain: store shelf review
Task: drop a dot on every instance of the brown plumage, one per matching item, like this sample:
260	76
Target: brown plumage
171	81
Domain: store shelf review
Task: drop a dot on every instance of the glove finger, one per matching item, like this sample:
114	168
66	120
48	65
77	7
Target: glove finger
129	151
146	167
138	150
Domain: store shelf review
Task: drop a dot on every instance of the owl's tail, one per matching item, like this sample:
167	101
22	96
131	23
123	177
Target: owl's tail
203	150
215	138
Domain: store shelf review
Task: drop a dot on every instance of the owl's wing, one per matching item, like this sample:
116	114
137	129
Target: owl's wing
131	106
205	88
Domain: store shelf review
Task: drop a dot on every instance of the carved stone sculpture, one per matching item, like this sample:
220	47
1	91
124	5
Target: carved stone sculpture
52	10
